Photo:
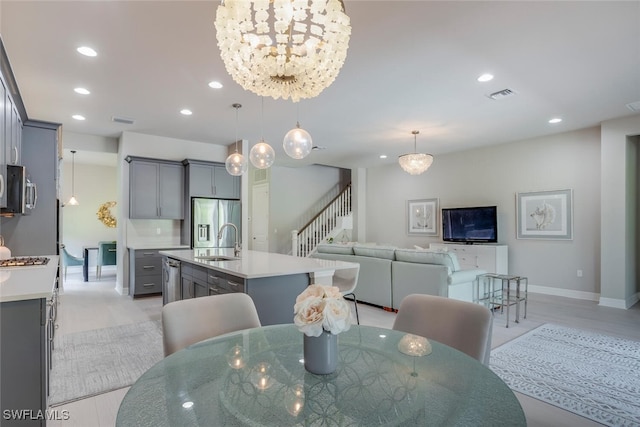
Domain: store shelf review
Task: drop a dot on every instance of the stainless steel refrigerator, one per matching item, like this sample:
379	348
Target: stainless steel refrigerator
208	215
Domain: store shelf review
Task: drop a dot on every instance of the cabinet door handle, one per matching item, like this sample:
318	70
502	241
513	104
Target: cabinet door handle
148	253
15	151
148	285
1	185
236	284
148	267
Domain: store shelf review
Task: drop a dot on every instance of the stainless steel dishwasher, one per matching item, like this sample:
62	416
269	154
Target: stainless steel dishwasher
170	280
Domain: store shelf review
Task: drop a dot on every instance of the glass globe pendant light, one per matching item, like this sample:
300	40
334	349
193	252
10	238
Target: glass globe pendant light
297	143
262	155
236	164
415	163
73	201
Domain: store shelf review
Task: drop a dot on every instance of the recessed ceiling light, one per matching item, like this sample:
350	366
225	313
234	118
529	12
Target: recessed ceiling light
485	77
215	85
186	112
78	117
383	156
87	51
82	91
555	120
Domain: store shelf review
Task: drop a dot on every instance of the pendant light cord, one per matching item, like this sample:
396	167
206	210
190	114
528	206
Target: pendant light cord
73	173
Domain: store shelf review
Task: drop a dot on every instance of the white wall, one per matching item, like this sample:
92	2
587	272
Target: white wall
95	185
618	224
293	192
492	176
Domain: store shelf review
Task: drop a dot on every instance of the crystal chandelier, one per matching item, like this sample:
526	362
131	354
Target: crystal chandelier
283	48
415	163
236	163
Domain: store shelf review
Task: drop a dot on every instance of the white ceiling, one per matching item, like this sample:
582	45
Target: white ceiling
410	65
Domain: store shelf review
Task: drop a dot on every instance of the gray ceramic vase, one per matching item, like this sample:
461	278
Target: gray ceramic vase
321	353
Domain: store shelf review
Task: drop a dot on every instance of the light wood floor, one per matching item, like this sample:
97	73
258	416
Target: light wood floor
94	305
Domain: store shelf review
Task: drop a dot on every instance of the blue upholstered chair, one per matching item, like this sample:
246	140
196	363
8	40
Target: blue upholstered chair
69	260
106	256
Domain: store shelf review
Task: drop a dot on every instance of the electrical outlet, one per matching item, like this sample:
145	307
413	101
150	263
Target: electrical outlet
158	230
579	273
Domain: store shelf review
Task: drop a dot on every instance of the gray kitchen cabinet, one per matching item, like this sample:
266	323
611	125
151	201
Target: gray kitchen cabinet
193	281
207	179
223	283
13	132
23	360
156	189
145	272
3	145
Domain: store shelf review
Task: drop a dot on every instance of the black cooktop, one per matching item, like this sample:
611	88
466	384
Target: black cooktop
24	261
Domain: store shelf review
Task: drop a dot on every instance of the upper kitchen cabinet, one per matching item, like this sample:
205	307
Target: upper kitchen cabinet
206	179
12	115
13	132
156	189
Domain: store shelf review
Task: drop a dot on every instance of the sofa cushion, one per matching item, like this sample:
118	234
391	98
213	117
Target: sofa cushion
427	256
336	248
384	252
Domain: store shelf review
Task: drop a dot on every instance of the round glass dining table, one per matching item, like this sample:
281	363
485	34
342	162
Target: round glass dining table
256	377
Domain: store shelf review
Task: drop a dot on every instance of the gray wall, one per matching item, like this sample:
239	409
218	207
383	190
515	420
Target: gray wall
492	176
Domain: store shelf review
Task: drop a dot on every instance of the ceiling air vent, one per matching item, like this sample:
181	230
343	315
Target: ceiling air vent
504	93
123	120
634	106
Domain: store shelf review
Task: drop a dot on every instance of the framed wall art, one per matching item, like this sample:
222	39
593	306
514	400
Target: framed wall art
545	215
422	217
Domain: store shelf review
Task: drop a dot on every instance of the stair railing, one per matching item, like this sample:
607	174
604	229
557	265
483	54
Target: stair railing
305	240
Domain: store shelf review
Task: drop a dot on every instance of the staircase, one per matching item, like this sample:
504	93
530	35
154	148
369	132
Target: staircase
328	223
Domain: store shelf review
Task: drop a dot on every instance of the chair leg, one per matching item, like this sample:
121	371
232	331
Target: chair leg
354	303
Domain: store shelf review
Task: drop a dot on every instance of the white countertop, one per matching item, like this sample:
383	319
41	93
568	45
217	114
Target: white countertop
254	264
144	246
32	282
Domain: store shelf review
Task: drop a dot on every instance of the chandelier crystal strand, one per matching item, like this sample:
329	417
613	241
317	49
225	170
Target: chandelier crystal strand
291	49
262	155
236	164
415	163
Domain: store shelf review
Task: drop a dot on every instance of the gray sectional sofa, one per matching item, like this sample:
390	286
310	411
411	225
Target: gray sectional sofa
388	274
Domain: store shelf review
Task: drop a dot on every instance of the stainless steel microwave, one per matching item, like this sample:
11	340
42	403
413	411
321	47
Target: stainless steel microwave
22	194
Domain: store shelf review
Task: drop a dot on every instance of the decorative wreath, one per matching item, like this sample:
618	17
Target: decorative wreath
104	214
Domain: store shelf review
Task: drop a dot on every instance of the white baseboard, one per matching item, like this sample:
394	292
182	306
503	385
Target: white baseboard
591	296
620	303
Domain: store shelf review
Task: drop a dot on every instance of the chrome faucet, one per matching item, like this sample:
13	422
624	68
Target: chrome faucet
236	247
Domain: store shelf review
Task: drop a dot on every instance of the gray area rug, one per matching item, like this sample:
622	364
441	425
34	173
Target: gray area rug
102	360
592	375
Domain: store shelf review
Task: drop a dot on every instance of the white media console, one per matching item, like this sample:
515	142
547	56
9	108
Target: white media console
493	258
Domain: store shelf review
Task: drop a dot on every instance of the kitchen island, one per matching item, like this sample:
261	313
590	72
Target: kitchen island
272	280
27	313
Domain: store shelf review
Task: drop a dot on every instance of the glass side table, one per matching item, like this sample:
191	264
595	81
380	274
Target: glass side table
502	290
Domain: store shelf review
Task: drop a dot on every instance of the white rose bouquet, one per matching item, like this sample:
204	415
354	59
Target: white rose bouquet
321	308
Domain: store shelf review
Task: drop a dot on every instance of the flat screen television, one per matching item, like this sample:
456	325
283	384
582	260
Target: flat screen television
470	225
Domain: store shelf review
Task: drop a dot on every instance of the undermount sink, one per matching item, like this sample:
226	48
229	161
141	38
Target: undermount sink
215	258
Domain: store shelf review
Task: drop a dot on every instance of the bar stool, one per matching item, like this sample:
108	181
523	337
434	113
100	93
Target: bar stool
500	290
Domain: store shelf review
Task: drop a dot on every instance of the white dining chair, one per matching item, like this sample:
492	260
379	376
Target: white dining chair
346	280
465	326
189	321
